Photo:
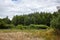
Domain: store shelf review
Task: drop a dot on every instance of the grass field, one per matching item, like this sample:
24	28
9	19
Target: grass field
10	34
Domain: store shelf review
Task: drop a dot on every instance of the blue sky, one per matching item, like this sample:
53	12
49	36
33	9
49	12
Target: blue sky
19	7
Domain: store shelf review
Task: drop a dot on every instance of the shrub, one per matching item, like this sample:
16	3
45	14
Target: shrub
41	26
20	27
10	26
32	26
3	25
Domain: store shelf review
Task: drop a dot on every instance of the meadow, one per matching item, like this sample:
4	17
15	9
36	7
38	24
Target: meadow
13	34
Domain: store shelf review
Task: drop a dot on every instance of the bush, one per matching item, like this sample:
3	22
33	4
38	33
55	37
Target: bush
20	27
3	25
10	26
6	26
32	26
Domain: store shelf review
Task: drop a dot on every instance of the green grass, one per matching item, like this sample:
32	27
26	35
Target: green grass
8	30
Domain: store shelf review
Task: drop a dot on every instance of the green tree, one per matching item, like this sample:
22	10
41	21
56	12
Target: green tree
18	20
6	20
55	23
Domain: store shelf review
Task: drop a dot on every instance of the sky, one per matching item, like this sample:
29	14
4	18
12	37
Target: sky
19	7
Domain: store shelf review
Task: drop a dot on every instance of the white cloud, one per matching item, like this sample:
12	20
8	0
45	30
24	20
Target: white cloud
19	7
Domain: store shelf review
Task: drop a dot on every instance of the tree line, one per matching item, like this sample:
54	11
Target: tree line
36	18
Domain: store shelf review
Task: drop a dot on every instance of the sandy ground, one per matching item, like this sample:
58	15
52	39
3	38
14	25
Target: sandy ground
18	36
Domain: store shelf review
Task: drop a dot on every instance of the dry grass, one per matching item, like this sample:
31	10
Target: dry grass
28	35
15	35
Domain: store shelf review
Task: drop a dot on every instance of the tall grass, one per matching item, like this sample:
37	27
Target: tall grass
47	34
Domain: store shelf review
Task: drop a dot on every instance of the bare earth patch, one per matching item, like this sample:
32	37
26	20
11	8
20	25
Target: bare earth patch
18	36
